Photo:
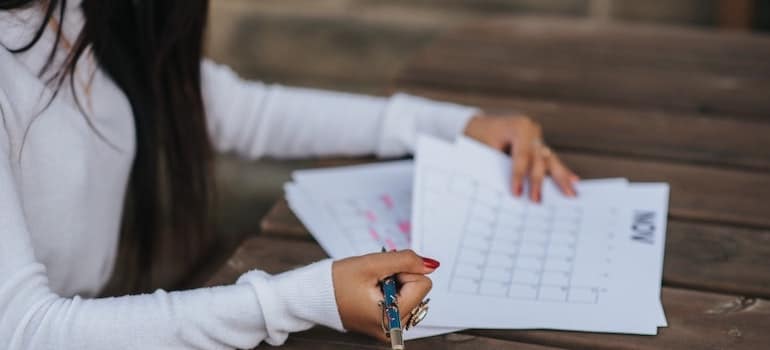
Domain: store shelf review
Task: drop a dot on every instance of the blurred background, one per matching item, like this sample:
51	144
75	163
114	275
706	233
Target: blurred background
359	45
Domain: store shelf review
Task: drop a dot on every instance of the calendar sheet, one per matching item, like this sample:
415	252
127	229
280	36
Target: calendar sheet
356	209
573	264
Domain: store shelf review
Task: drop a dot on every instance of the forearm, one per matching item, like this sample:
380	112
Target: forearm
243	315
256	120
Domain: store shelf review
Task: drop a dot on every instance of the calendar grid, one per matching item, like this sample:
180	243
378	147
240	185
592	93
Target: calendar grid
517	250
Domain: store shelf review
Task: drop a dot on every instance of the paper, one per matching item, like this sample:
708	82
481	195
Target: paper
508	263
356	210
637	197
589	264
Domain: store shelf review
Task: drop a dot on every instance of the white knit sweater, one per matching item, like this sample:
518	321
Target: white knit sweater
62	189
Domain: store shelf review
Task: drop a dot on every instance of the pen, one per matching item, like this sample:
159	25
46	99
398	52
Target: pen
390	312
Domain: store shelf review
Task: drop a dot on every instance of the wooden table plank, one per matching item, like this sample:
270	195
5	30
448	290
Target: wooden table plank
637	89
699	256
697	192
321	338
545	56
690	48
621	131
697	320
717	258
633	66
600	48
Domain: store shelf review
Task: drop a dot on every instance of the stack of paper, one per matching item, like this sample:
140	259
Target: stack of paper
592	263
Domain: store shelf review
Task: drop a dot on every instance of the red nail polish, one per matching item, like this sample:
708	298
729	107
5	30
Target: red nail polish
430	263
519	190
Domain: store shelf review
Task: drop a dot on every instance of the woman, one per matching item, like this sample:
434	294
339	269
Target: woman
110	118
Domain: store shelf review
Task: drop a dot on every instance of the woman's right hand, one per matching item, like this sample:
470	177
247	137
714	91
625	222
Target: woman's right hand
357	290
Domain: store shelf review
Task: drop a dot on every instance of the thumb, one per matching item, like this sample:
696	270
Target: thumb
414	288
408	261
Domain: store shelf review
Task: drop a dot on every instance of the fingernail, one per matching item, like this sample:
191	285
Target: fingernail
519	190
430	263
533	194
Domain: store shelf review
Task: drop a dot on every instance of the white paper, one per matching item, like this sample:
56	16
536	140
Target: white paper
359	209
356	210
636	197
651	199
509	263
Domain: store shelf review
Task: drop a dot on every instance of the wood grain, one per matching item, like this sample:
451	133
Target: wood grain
699	256
717	258
696	319
322	338
697	192
641	67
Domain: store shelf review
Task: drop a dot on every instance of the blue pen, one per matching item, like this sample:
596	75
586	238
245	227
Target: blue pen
391	316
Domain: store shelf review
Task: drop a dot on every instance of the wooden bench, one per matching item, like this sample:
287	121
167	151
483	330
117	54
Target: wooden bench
689	107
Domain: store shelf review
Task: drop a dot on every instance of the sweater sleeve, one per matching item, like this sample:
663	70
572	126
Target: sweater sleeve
258	308
257	120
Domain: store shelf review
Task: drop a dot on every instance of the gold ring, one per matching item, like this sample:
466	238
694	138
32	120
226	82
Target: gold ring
542	148
545	152
417	314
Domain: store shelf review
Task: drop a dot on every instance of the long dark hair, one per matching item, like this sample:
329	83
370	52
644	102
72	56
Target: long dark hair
152	50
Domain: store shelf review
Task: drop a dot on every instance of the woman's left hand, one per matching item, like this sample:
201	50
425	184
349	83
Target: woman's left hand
532	159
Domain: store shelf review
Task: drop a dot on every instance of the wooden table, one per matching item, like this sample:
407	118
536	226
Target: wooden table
649	103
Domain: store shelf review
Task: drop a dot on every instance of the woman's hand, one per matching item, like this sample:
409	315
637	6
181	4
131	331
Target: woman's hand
357	290
523	138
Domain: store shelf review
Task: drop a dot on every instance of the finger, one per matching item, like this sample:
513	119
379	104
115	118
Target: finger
563	177
522	153
383	265
414	289
536	179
